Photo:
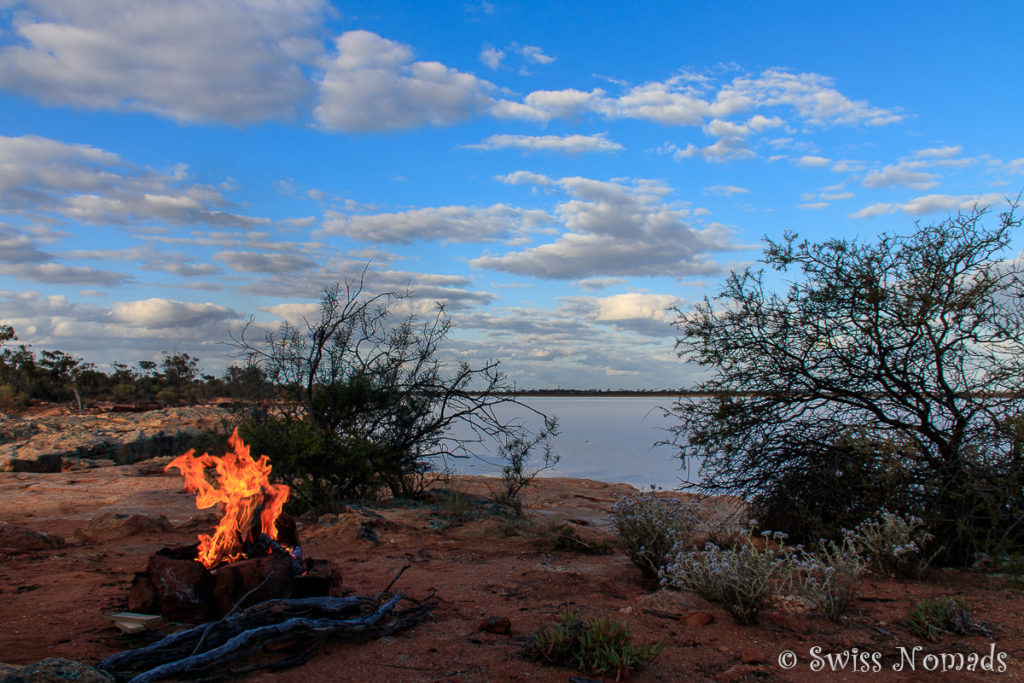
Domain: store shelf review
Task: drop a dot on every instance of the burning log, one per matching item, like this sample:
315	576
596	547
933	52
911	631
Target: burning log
253	552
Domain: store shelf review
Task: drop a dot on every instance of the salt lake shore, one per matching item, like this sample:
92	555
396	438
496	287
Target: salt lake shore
84	503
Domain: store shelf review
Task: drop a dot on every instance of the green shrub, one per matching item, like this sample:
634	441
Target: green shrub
855	474
11	398
321	471
895	543
743	579
568	540
601	646
650	526
932	619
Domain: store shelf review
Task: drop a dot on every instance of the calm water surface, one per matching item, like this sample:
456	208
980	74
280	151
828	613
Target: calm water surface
605	438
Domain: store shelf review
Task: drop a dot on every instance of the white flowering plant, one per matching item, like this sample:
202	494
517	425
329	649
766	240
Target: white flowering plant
743	579
650	526
895	543
828	576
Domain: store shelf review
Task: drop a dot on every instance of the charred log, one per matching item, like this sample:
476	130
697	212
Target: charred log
271	635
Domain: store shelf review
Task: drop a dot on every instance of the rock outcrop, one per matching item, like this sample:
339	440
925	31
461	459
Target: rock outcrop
66	442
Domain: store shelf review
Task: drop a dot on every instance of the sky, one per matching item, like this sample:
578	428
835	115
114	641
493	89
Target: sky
560	174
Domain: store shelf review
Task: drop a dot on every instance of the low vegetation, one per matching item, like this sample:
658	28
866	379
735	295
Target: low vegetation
933	619
599	647
649	527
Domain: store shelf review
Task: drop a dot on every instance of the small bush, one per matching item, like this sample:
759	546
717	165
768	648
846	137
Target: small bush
895	543
568	540
828	577
743	579
515	474
11	398
650	526
932	619
602	646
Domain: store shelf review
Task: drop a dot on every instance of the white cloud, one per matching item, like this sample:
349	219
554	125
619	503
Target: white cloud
938	152
446	223
534	54
40	176
904	173
373	84
636	306
265	262
617	229
236	61
931	203
544	105
759	123
524	178
813	161
726	190
158	313
570	144
812	95
58	273
492	57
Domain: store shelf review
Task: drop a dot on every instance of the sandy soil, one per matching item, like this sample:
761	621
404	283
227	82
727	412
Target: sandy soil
54	601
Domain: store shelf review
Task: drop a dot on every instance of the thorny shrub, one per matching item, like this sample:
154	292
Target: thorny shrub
601	646
650	526
895	543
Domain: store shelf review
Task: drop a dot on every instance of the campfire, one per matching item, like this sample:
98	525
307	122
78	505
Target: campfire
252	555
246	585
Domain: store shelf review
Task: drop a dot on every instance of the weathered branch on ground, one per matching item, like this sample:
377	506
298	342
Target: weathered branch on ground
295	628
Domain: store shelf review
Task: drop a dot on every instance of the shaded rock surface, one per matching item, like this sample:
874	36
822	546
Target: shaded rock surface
79	441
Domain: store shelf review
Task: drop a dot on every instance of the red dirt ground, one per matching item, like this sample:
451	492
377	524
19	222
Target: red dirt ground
54	602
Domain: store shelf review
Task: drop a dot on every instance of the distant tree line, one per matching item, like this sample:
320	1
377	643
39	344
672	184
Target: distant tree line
60	377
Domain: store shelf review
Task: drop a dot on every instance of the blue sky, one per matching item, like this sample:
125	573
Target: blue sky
559	173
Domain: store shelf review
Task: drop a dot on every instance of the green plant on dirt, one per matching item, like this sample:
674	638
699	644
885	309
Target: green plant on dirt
650	526
567	539
932	619
744	579
516	474
602	646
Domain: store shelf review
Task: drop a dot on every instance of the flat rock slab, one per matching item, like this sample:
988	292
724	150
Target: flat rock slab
80	441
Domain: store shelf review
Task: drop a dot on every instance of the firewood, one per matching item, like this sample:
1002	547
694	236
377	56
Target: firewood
295	627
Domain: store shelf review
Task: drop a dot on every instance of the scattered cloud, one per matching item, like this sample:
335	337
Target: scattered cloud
813	161
906	173
188	60
812	96
373	84
570	144
931	203
492	57
446	223
41	176
613	228
533	54
726	190
938	152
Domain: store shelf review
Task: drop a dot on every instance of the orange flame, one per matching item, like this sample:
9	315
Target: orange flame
244	487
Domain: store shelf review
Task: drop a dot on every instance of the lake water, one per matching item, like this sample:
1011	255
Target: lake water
605	438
